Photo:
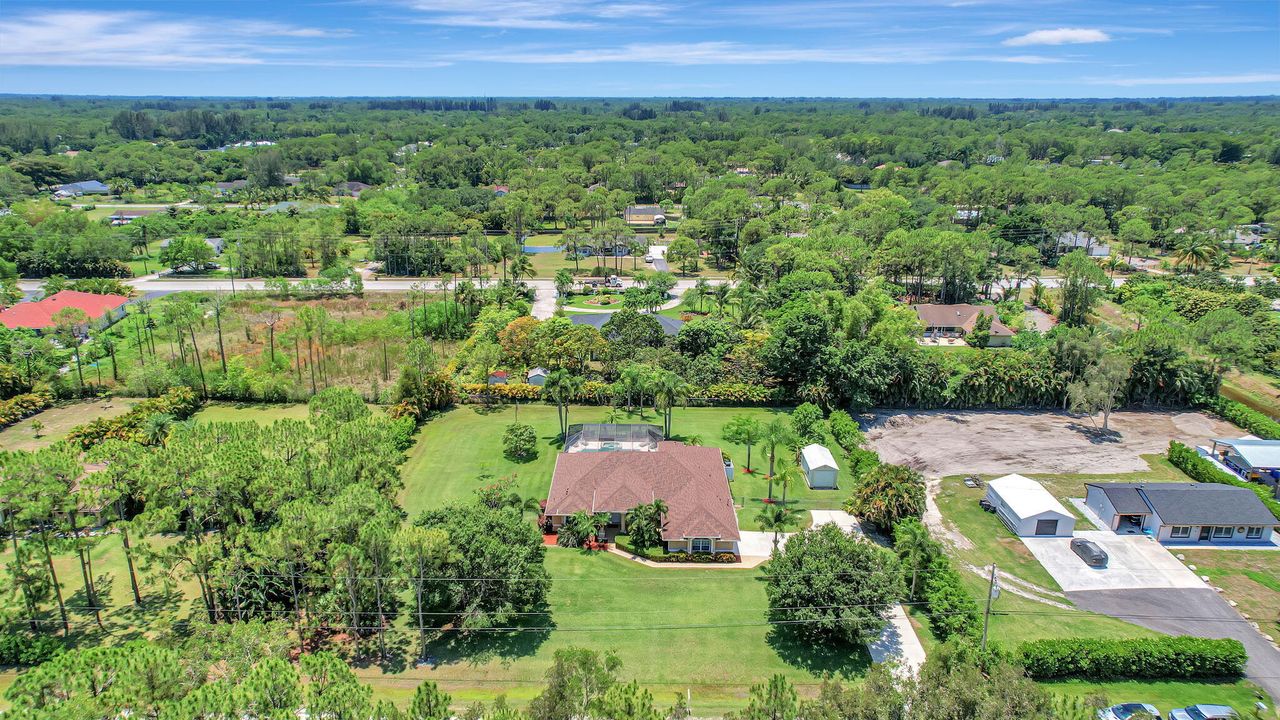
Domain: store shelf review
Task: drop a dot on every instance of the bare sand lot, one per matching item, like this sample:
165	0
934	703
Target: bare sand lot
940	442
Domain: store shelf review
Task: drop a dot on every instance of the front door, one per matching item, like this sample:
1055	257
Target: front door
1206	533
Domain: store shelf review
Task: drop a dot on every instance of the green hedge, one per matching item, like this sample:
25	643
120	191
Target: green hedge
180	402
1181	657
21	406
1202	470
20	648
1244	416
951	610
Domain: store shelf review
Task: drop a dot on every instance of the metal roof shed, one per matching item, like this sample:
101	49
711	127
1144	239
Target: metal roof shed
820	469
1028	509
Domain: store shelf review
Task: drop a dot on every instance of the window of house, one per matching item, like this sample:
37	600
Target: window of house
701	545
1223	532
1253	533
1180	531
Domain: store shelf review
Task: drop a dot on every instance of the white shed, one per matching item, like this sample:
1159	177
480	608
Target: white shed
820	469
1028	509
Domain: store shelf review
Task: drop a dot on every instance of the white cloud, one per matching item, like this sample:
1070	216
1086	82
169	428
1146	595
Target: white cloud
530	14
136	39
1244	79
1059	36
732	53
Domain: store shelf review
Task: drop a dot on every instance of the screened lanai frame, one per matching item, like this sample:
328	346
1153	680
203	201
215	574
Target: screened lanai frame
606	437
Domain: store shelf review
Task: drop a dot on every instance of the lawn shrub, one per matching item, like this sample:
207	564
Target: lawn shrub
681	556
1246	417
951	610
21	406
179	402
513	391
1180	657
520	442
12	382
1202	470
20	648
933	583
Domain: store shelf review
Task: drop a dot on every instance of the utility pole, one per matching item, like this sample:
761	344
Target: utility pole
992	591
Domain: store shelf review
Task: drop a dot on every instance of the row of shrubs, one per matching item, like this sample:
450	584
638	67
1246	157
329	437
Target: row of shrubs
595	392
938	587
1181	657
1238	413
1202	470
179	403
21	406
21	648
681	556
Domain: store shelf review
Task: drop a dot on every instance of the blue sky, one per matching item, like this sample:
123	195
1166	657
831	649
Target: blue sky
850	48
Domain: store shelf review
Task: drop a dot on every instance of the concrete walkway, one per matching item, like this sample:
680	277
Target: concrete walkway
898	642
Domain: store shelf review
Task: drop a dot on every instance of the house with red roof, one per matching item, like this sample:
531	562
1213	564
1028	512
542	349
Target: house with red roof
101	309
611	469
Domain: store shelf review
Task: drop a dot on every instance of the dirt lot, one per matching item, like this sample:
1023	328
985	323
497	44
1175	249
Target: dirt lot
941	443
58	421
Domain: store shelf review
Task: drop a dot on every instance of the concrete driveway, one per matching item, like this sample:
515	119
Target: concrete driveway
753	543
839	518
1136	562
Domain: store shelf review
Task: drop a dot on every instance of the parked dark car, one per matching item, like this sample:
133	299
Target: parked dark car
985	504
1124	711
1090	552
1203	712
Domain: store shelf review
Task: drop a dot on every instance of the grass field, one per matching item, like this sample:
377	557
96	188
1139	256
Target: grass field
1258	391
456	449
1249	577
715	617
58	421
264	414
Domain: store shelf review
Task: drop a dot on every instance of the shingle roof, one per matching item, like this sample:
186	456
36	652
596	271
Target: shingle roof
1198	503
39	315
690	479
1127	500
85	186
962	316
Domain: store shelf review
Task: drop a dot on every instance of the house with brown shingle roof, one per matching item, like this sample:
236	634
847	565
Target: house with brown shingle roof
956	321
616	477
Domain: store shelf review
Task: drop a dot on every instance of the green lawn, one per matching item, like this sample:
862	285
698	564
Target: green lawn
597	600
602	601
601	301
265	414
457	448
1166	695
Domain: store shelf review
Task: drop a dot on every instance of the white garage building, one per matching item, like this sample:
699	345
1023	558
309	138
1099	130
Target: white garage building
1028	509
820	469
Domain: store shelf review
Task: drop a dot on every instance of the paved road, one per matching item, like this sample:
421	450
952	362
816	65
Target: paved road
1200	612
544	303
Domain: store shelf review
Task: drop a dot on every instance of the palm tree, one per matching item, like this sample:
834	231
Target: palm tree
1195	251
698	293
776	433
156	428
669	390
516	502
562	387
789	475
912	541
721	294
522	267
582	526
777	519
632	380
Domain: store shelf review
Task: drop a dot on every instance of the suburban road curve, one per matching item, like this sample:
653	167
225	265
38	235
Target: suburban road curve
544	304
1197	611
